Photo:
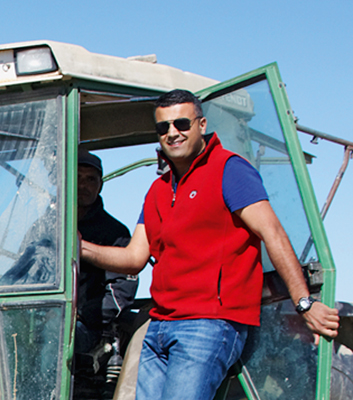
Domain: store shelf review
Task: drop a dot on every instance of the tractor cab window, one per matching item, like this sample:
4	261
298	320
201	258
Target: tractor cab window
247	123
32	330
29	200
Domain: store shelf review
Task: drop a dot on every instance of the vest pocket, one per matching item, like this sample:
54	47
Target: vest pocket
219	287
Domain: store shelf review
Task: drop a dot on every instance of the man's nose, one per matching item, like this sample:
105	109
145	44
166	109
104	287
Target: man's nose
172	131
81	182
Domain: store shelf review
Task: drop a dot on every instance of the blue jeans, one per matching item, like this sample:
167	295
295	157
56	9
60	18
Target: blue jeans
187	359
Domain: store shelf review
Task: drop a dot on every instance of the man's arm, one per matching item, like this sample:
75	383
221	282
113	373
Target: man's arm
262	220
126	260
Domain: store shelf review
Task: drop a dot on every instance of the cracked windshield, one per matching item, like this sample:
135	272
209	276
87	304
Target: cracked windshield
28	204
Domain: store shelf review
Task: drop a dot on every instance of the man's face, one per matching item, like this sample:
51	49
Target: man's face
181	146
89	185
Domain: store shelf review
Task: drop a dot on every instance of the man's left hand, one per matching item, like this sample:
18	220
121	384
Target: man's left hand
322	320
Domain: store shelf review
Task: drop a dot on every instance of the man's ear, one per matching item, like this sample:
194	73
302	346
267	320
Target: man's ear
203	125
101	186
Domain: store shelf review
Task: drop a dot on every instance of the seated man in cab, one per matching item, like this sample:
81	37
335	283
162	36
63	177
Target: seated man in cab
102	295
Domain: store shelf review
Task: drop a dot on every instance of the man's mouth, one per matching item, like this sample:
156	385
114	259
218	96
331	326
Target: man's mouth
175	143
83	194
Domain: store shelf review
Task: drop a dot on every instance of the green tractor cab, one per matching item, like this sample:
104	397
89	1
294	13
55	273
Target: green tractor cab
55	97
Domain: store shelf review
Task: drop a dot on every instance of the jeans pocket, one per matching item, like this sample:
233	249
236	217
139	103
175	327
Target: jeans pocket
240	333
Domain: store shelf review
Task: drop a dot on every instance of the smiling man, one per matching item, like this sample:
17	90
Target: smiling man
203	222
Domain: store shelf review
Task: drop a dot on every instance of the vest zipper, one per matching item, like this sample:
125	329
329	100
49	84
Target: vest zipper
174	188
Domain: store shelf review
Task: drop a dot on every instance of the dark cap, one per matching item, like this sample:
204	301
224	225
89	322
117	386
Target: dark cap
86	158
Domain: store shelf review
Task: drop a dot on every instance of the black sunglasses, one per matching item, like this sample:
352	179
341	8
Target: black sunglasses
182	124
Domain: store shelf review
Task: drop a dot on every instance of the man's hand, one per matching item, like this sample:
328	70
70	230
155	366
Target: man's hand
84	246
322	320
79	243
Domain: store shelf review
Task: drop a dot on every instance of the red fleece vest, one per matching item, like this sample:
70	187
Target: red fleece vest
208	263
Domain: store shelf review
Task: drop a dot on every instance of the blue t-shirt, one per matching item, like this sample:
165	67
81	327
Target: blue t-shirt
241	185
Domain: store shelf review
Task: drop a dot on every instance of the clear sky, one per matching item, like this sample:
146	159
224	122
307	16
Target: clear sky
310	40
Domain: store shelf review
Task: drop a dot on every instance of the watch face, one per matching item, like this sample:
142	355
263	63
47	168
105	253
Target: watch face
304	303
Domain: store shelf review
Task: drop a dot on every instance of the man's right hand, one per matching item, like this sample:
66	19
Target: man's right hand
128	260
79	243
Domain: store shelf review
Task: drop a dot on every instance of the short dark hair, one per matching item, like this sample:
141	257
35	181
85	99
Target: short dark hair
180	96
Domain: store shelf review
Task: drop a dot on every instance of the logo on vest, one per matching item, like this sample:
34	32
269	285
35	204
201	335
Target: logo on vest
193	194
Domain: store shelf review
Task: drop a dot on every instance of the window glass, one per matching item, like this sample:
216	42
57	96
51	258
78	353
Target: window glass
280	356
29	200
247	123
30	340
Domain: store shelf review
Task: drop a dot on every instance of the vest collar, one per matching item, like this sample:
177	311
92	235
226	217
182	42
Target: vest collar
211	139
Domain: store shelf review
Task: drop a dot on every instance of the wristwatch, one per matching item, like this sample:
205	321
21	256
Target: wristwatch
304	304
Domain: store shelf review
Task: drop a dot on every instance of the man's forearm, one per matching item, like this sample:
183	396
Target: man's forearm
107	257
128	260
261	219
287	265
320	318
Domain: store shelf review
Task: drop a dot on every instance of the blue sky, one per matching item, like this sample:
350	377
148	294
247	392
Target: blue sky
310	41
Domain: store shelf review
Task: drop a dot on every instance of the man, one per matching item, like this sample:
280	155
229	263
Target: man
203	222
102	295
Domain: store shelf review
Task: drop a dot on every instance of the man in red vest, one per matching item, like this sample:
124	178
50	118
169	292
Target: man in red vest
203	222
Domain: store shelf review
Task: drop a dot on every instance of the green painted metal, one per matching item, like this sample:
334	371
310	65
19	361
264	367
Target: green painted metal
115	88
314	219
246	381
242	374
285	115
69	232
146	162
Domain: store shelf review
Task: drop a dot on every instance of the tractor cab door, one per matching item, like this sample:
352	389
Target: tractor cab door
35	290
252	116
